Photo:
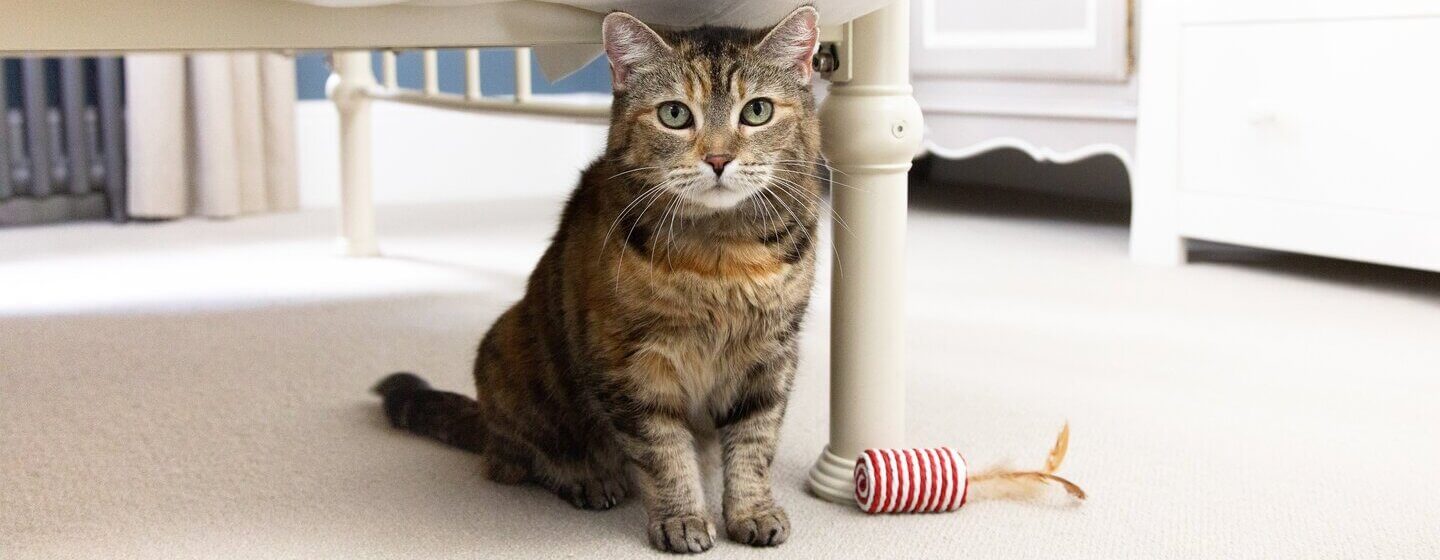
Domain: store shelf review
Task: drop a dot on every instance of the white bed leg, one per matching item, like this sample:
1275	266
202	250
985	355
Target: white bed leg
872	129
347	87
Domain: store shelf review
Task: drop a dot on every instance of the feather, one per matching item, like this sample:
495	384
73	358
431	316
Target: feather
1002	483
1018	485
1057	454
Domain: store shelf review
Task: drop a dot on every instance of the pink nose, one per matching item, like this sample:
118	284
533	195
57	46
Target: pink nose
718	161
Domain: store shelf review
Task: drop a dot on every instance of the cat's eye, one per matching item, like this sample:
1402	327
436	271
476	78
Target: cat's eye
674	114
757	112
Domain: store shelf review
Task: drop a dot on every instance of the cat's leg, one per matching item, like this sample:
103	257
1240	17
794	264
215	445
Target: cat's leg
585	488
749	432
597	482
505	463
562	452
651	427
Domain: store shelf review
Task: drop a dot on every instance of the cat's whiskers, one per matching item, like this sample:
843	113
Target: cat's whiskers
632	171
670	210
769	229
670	237
656	191
839	266
804	228
623	212
828	179
789	185
820	163
793	216
653	199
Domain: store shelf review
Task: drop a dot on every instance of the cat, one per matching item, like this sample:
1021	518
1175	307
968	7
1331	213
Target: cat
668	304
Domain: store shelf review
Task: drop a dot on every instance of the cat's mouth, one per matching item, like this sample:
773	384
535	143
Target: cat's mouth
717	195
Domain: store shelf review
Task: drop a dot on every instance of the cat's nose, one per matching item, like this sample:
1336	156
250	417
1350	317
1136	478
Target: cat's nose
718	161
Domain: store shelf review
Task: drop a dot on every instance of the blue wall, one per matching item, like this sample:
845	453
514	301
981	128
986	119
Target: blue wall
497	74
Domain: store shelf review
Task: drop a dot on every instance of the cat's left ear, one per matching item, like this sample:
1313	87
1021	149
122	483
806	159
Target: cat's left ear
794	41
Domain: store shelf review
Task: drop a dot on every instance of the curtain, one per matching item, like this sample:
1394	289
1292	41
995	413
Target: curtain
210	134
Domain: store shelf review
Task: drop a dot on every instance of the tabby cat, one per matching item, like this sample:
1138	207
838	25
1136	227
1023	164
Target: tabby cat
666	308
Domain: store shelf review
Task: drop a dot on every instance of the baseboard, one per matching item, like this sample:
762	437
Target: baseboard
428	155
26	211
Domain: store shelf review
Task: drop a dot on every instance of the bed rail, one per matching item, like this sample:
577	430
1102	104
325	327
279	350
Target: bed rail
524	101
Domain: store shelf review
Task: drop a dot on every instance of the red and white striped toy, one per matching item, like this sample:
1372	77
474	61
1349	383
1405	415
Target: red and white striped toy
910	480
938	479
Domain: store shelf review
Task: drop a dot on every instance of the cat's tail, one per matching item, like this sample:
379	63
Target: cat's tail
412	405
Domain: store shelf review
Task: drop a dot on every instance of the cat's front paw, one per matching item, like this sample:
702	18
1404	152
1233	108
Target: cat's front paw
594	494
686	533
767	526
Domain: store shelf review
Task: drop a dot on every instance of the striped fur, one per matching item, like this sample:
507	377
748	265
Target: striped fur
652	319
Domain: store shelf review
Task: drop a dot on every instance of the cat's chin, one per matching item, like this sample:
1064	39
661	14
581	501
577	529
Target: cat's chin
716	199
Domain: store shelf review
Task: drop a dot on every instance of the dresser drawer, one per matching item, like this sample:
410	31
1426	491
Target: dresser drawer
1342	113
1213	11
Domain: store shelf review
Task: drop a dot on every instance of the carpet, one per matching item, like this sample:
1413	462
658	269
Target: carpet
198	389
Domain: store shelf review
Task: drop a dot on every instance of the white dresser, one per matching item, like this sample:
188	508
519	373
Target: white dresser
1052	78
1302	125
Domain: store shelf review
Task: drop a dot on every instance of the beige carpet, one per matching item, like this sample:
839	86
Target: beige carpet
198	390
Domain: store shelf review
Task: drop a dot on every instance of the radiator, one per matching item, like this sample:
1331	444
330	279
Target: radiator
62	140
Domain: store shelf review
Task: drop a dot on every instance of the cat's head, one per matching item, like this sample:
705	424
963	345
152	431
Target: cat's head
715	115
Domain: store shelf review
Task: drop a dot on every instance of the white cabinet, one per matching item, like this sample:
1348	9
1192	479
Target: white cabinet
1300	126
1037	39
1050	77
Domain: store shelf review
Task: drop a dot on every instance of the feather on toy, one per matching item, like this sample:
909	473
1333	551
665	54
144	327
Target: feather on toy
938	479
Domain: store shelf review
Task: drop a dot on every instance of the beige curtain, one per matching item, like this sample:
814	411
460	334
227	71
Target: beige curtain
210	134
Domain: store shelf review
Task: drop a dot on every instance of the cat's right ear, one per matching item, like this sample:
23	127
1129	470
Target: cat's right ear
629	43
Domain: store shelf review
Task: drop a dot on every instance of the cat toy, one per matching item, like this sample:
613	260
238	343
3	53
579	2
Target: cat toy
938	479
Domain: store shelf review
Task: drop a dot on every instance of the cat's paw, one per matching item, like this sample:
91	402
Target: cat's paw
767	526
593	494
688	533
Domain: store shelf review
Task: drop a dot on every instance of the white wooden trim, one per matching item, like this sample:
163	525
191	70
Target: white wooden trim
1095	49
472	74
1206	12
1037	153
1395	238
531	105
430	71
1082	38
1064	112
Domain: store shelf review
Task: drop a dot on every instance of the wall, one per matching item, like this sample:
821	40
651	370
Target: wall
426	155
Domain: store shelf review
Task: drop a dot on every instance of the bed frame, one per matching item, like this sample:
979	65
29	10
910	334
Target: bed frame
871	125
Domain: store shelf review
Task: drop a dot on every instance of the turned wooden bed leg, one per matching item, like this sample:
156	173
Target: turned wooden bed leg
872	129
348	86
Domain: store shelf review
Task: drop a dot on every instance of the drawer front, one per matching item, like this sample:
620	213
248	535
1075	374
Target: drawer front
1212	11
1337	112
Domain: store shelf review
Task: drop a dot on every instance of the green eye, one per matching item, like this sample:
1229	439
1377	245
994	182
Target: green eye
757	112
674	114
